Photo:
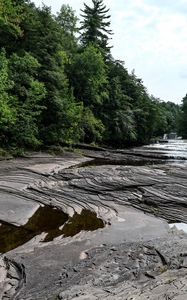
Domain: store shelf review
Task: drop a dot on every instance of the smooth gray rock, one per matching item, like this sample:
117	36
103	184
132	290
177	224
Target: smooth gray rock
137	256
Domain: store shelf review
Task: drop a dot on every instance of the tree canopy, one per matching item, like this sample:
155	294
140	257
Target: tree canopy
59	84
183	119
96	25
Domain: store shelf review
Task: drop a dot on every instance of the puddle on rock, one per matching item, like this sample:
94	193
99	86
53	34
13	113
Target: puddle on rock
127	162
179	226
48	220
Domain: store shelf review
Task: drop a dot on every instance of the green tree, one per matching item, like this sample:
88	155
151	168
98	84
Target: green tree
95	26
7	111
12	12
28	94
92	127
118	115
67	20
173	112
55	90
43	38
183	118
89	82
142	107
164	117
89	78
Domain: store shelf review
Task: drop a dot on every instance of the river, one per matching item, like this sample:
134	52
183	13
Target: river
174	150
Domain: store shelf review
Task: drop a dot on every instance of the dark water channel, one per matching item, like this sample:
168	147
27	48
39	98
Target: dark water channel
54	222
117	162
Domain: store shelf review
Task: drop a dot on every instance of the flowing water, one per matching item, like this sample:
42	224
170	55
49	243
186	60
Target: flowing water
174	150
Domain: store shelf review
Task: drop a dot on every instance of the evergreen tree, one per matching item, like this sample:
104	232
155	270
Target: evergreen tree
95	26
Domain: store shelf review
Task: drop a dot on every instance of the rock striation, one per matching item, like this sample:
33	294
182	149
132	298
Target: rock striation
136	255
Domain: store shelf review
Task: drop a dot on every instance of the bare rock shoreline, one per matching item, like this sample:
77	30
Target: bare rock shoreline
135	256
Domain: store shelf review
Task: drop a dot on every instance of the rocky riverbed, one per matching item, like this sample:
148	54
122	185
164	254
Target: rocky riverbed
94	225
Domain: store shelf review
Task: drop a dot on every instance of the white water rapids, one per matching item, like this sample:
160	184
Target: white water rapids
176	150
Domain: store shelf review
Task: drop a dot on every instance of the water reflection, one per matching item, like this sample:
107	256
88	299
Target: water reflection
54	222
117	162
179	226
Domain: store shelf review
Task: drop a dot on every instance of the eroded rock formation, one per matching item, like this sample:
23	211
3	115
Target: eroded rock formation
135	255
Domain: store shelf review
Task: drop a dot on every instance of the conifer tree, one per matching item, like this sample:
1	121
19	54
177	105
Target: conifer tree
95	25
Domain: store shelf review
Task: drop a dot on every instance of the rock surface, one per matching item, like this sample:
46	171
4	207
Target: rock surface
129	271
136	256
12	278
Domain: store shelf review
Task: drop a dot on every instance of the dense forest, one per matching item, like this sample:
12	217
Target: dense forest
60	84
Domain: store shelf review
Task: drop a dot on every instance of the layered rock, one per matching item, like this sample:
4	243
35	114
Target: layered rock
120	187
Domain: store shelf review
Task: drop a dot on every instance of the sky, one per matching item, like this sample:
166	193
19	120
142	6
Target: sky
150	36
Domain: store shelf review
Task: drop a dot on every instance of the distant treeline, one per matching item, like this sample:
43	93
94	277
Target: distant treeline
59	84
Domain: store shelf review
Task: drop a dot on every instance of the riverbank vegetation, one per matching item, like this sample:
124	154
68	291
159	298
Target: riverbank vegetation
60	84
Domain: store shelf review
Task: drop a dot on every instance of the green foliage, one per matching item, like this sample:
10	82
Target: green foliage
16	151
7	112
95	25
118	115
68	131
89	83
28	93
67	19
55	91
93	128
59	122
12	12
183	119
57	150
89	77
166	117
3	153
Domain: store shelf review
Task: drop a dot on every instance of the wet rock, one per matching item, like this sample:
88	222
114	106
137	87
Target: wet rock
149	264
